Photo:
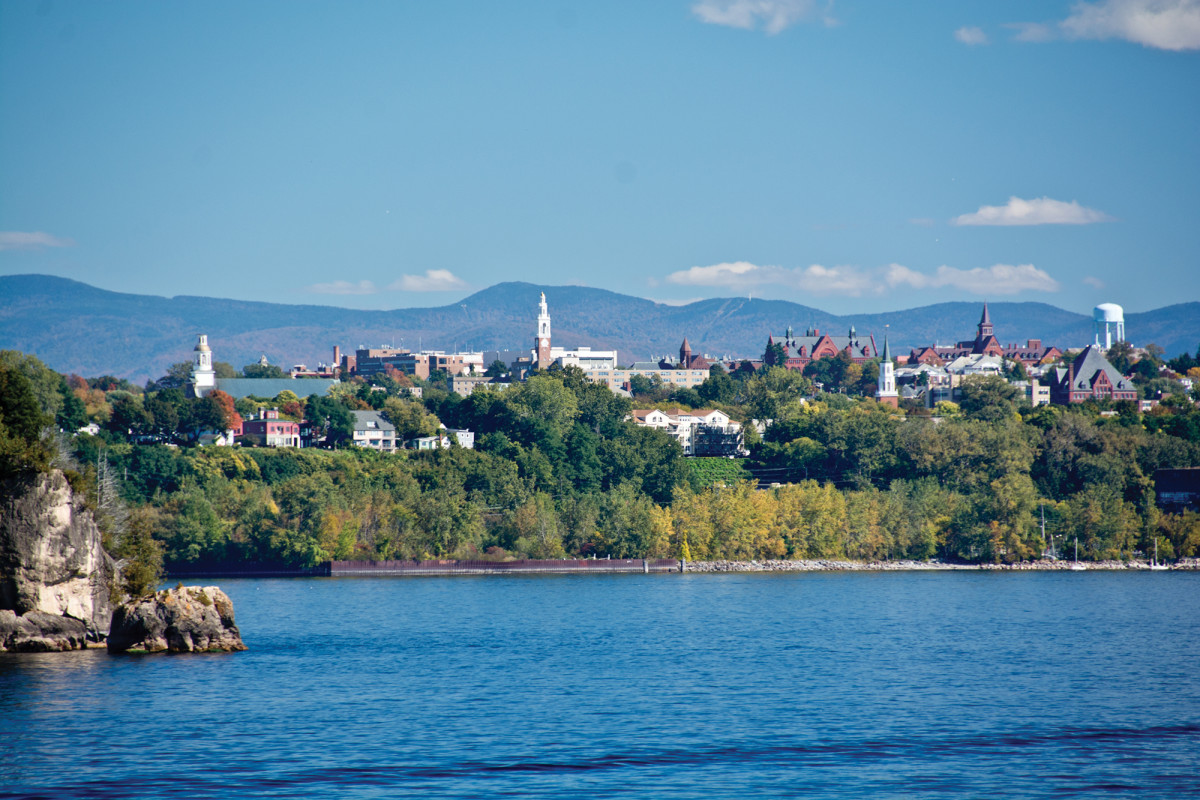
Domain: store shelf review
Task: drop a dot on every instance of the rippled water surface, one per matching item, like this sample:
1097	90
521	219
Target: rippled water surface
814	685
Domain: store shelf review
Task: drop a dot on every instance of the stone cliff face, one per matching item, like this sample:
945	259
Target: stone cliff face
54	573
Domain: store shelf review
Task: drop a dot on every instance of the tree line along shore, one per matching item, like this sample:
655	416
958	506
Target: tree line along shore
560	470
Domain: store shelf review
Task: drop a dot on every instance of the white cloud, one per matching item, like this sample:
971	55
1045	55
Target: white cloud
773	15
434	280
1039	211
343	287
733	274
1033	31
742	275
1094	282
996	279
969	34
1163	24
35	240
853	281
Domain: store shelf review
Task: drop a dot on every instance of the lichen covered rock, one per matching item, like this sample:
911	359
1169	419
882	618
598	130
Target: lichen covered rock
54	573
186	619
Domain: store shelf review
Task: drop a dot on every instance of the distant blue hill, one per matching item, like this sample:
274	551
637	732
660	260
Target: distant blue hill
78	328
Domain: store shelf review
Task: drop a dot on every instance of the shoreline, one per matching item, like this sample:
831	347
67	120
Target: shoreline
353	569
837	565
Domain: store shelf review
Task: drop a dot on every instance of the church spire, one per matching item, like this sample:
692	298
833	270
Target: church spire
885	391
985	324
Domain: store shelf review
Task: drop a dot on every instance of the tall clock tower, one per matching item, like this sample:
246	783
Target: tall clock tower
542	340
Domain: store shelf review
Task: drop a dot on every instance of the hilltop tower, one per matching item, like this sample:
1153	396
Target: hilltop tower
542	340
885	392
685	354
1108	319
204	379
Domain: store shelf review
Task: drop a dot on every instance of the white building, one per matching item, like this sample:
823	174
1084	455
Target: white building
443	439
705	432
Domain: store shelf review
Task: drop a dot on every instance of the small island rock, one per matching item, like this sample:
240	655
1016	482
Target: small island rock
186	619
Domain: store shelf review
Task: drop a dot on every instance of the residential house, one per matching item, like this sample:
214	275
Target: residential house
373	431
268	430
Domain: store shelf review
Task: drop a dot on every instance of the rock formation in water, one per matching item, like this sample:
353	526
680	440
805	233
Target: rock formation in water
54	573
185	619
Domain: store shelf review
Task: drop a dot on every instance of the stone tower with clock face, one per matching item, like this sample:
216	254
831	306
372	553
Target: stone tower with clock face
542	340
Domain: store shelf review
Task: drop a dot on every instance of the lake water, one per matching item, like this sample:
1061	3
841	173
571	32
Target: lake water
696	686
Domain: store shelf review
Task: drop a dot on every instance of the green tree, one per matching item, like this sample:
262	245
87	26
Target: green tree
775	393
774	356
72	415
140	555
643	386
177	376
718	387
45	383
331	416
21	422
1120	355
988	397
257	370
129	417
410	418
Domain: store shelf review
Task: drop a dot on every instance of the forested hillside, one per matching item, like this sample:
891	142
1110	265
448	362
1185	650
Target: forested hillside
560	470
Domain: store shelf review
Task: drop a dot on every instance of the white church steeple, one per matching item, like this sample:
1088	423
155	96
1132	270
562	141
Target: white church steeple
204	379
886	390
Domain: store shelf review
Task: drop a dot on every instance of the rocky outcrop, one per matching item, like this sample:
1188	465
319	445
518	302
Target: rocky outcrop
54	573
186	619
36	632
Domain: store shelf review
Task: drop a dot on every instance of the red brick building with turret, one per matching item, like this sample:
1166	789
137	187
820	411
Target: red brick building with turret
985	343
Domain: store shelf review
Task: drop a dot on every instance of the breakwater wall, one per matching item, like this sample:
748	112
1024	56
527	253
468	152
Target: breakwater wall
830	565
447	567
236	570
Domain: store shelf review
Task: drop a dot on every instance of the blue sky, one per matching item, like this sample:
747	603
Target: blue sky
853	156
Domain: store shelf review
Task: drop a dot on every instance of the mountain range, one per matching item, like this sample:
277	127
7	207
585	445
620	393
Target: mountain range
74	327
